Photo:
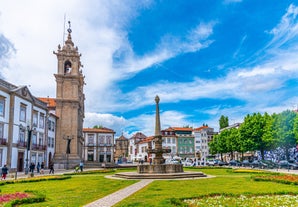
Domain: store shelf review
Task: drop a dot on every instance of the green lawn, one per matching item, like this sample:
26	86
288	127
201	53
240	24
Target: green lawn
77	191
159	193
83	189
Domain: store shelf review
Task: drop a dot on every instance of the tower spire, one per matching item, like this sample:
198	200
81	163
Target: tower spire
69	41
157	117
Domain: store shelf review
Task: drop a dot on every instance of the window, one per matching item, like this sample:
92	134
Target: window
90	139
35	119
101	139
22	136
40	139
41	121
1	130
23	108
2	106
33	157
109	139
168	140
34	138
173	141
51	125
49	141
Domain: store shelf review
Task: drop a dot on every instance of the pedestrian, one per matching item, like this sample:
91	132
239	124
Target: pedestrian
4	172
38	167
32	167
51	168
42	168
81	166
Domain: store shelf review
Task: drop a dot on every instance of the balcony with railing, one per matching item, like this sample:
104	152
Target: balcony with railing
3	141
38	147
22	143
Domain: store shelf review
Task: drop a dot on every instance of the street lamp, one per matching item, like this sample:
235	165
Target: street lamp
29	136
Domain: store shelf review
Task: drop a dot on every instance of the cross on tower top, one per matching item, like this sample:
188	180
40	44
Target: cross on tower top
69	25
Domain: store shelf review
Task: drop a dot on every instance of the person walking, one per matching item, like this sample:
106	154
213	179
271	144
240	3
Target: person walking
81	166
51	168
32	167
42	168
4	172
38	168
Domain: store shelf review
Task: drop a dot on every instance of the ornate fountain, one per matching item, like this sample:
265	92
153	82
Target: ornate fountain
159	169
159	165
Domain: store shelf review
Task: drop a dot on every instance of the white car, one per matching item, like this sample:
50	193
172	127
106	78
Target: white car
210	162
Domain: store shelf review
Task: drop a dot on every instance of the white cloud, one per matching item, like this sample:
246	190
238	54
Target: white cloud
146	122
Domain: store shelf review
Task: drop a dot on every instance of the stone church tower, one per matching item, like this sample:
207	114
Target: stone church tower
69	106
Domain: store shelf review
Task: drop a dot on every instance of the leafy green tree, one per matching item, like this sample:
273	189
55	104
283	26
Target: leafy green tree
218	144
283	130
223	122
97	127
256	133
232	141
296	128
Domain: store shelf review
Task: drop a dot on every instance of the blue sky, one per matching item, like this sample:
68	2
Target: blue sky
203	58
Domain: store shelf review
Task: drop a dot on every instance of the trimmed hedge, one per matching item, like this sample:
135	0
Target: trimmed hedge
91	172
35	179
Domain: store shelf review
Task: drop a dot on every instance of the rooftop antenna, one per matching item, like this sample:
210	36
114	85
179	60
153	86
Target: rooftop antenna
64	28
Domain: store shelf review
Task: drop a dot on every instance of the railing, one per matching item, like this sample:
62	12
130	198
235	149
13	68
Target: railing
3	141
38	147
22	144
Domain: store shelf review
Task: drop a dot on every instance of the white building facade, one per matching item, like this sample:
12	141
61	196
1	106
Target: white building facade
23	128
203	135
99	145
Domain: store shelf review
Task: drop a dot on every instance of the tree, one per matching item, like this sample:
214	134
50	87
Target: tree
223	122
255	132
97	127
218	144
232	141
283	130
296	128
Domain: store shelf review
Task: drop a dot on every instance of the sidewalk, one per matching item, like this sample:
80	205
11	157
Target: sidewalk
119	195
11	176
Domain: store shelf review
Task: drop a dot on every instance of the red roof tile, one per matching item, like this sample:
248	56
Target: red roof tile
98	130
50	101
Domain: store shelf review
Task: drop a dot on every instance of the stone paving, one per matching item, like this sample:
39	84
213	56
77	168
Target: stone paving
116	197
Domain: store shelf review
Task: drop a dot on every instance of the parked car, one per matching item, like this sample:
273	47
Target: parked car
246	163
234	163
287	165
258	164
210	162
270	164
220	163
187	163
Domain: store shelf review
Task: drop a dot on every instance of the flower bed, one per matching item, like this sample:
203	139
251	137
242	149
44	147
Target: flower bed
12	196
241	170
244	201
286	179
18	198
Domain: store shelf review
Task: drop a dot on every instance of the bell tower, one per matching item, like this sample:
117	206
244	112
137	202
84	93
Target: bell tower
69	105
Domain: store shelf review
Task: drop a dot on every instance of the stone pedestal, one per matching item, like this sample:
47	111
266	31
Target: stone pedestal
160	168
